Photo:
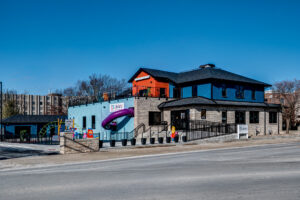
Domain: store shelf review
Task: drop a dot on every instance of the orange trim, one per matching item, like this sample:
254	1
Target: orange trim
149	85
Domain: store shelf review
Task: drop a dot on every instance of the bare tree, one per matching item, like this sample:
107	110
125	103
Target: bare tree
288	93
94	87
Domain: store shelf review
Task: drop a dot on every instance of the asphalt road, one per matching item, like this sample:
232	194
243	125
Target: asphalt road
15	150
266	172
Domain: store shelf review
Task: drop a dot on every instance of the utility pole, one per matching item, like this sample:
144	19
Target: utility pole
1	106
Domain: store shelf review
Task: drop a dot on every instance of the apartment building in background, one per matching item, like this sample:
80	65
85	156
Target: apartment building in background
51	104
275	98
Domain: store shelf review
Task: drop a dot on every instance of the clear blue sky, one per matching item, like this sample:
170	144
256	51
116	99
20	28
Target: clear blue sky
51	44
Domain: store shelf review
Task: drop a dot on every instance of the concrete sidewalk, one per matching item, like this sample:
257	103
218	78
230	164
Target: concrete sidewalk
120	152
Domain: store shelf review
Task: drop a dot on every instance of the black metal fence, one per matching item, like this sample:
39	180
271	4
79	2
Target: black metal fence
31	140
199	129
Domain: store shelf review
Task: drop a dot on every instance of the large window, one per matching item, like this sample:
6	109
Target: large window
272	117
254	117
162	92
224	91
240	117
203	113
176	92
93	122
194	91
239	94
154	118
224	117
84	122
253	94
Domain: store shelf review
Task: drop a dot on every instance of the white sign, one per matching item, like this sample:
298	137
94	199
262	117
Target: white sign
142	78
115	107
55	138
242	130
69	123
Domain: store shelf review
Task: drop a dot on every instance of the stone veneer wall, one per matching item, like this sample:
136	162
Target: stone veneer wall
214	114
68	145
142	107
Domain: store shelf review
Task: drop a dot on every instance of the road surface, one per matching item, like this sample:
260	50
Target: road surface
15	150
266	172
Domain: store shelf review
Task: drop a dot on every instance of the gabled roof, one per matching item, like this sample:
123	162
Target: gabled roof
198	74
171	76
204	101
34	119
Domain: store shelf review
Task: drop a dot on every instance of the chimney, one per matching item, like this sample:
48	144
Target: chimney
207	66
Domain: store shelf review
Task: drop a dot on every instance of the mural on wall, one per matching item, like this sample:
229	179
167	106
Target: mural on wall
96	117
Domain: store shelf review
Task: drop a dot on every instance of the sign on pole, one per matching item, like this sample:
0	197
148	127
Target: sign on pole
242	131
69	123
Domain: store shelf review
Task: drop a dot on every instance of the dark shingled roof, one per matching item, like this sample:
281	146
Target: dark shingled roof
204	101
198	74
34	119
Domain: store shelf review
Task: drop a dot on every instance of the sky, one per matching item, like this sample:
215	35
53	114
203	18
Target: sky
48	45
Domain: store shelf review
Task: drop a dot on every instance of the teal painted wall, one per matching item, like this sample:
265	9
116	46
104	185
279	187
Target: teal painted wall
171	87
204	90
10	129
231	93
101	111
186	92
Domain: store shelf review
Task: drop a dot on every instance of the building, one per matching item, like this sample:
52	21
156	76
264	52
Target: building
177	99
275	98
51	104
31	126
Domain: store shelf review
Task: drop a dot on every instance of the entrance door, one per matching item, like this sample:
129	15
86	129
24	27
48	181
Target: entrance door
23	133
180	119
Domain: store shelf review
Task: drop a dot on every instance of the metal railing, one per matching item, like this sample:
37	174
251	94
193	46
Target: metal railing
135	91
145	91
199	129
30	139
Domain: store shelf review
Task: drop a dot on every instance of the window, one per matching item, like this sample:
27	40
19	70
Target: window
154	118
176	92
254	117
41	103
224	91
84	122
93	122
240	117
239	94
203	114
162	92
272	117
224	117
194	91
253	94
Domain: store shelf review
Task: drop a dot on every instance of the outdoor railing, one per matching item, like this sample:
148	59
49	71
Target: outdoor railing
199	129
136	91
145	91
